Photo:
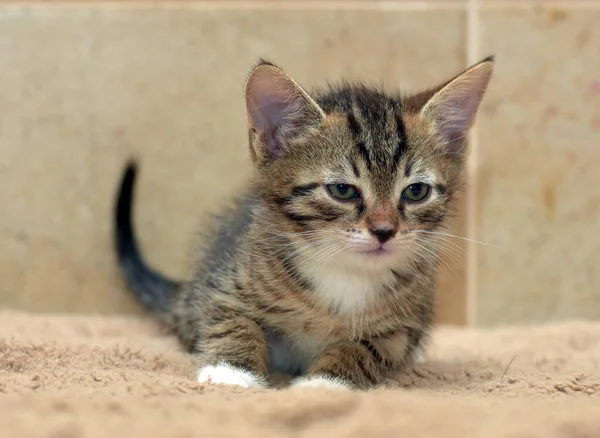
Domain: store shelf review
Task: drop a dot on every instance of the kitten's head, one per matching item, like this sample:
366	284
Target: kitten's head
357	174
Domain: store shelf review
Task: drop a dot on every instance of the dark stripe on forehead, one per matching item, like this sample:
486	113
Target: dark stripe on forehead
369	104
408	169
364	153
400	149
353	125
354	168
401	138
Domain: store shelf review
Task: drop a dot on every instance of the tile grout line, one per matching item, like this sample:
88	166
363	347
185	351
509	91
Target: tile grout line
374	4
541	4
325	4
378	5
472	50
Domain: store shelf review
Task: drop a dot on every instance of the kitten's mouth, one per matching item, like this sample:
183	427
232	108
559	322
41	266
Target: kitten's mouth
376	251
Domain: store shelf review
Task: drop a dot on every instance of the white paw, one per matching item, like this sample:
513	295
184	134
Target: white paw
321	382
225	374
418	356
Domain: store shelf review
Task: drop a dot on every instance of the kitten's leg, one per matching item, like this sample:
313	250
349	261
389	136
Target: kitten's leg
418	356
360	365
233	352
348	365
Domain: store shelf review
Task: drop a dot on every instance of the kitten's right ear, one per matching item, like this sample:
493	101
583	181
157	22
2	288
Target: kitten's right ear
453	108
278	110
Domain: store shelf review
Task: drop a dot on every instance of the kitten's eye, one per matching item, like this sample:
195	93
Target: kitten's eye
343	192
416	192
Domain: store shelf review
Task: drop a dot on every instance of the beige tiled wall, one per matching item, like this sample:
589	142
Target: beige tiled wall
86	85
538	197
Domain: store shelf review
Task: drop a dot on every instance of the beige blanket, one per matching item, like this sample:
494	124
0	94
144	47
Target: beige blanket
69	377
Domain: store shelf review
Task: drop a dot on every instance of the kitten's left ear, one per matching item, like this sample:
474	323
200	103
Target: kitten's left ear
453	108
279	110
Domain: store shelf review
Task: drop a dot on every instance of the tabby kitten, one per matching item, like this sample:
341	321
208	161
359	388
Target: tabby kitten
326	269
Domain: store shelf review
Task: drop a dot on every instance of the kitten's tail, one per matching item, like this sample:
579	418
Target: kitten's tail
151	289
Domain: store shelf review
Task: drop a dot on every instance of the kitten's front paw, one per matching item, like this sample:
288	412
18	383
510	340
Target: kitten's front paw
417	356
225	374
321	382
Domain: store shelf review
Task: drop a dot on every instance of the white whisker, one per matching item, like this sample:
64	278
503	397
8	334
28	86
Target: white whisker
323	254
448	235
436	256
454	256
308	246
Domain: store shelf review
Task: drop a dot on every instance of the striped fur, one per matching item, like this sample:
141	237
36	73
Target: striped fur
292	279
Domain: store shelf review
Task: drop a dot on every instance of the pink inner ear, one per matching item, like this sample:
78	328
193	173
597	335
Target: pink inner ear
457	115
277	107
271	103
268	101
455	106
267	113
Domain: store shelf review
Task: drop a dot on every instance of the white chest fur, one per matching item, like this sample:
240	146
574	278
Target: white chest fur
349	292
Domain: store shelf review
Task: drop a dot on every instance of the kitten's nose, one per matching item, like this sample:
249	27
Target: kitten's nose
383	234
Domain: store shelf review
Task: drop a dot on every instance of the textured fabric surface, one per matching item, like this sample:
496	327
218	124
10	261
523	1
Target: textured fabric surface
76	376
